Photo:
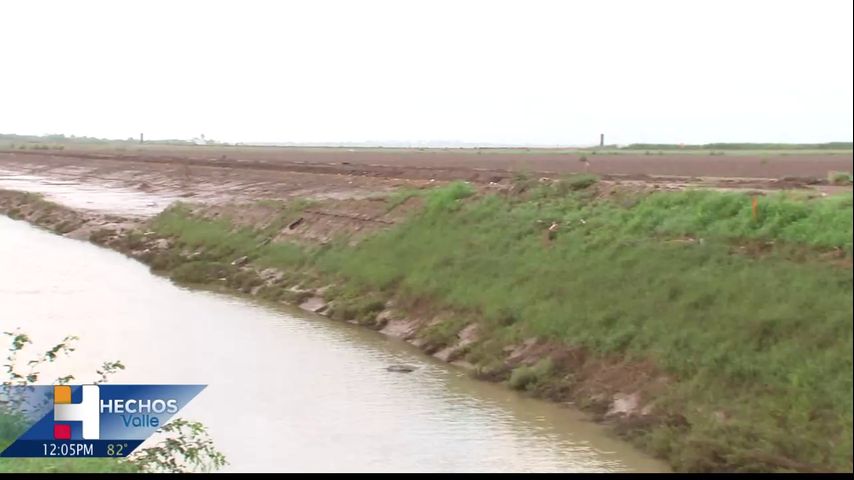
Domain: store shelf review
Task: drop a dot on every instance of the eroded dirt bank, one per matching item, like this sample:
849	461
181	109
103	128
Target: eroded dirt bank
631	392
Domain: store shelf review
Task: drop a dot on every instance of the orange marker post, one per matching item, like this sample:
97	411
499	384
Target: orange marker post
755	208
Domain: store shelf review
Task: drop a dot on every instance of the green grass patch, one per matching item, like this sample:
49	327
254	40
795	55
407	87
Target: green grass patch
530	377
765	340
823	223
840	178
443	333
218	236
571	183
401	196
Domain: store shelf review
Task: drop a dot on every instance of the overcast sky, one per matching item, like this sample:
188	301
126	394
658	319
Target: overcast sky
527	71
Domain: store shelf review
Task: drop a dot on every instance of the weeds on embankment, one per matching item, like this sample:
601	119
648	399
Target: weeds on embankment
839	178
760	347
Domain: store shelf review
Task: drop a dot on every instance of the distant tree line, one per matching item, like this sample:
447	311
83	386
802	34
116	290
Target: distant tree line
743	146
72	139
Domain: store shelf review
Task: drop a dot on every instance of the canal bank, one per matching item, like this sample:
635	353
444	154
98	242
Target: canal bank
698	417
287	391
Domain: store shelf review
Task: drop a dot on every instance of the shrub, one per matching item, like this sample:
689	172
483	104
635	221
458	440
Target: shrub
580	182
529	377
200	272
839	178
443	333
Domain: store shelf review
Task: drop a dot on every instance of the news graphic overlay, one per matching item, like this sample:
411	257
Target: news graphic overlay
90	420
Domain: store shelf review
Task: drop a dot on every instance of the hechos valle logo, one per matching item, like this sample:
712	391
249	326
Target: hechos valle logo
92	420
87	412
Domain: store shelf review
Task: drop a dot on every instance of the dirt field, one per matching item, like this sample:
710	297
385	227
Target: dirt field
413	163
216	174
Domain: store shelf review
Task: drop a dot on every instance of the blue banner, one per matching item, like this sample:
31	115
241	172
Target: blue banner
90	420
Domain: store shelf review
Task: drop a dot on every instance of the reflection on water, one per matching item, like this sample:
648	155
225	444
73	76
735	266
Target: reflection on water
287	392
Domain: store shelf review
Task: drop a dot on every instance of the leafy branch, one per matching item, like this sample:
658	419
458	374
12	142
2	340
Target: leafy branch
187	448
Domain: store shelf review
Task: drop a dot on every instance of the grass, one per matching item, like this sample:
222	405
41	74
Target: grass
780	217
839	178
765	341
569	183
400	197
529	377
444	333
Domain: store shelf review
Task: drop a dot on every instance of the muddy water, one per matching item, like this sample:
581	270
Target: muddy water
287	391
99	196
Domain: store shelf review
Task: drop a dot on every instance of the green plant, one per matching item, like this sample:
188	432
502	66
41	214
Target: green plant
529	377
443	333
199	272
576	182
12	424
839	178
186	448
400	197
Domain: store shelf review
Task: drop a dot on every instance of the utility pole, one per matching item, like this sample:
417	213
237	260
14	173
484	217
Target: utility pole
141	138
601	140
